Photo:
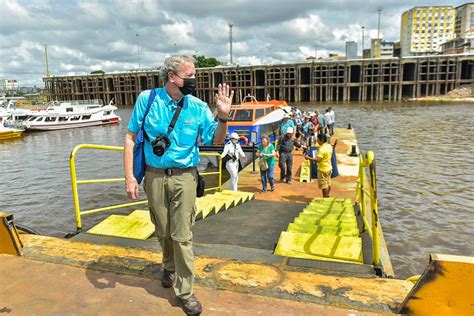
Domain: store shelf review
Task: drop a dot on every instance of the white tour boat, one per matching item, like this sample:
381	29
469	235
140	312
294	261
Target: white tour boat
71	114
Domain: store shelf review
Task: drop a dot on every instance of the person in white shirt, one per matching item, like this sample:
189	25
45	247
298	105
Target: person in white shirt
330	120
235	152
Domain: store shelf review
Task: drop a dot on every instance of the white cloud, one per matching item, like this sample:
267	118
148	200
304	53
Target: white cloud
179	32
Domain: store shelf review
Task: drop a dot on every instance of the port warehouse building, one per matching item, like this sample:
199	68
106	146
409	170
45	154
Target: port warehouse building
309	81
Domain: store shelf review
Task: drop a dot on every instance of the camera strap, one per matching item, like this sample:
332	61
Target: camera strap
176	115
173	120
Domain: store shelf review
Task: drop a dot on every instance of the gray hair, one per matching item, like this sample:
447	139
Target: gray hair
172	64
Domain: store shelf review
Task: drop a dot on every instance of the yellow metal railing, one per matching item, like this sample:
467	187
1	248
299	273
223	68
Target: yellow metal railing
218	172
367	198
75	192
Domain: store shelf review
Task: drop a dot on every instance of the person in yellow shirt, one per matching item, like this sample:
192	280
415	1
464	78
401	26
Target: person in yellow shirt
323	158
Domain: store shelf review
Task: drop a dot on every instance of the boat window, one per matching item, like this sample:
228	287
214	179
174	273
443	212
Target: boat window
75	118
242	132
107	113
86	117
50	119
30	119
259	113
39	119
62	118
243	115
69	110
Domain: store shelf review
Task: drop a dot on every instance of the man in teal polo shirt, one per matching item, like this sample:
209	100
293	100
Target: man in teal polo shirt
285	123
171	179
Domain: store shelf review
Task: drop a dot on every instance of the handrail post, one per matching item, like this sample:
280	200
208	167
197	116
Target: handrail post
361	185
75	192
253	158
375	214
220	172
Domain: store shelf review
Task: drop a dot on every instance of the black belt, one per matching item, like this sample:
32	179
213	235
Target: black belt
169	171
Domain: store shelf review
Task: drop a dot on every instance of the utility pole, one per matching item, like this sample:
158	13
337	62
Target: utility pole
46	64
363	34
138	51
230	42
377	52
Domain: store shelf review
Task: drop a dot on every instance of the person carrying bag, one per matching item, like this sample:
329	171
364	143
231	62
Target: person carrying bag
266	154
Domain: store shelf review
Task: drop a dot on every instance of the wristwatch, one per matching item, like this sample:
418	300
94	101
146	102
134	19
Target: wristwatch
221	120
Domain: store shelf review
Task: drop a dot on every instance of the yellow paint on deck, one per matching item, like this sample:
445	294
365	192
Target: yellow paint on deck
141	214
378	294
445	288
320	247
136	226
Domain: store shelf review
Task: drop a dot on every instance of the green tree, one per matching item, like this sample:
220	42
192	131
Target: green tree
204	62
97	72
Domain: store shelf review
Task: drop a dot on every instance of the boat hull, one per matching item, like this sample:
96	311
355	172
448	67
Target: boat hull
51	127
7	135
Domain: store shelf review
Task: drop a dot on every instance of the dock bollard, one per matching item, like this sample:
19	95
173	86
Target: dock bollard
349	126
354	151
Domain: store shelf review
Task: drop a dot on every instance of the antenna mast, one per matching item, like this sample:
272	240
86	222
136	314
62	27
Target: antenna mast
230	41
46	64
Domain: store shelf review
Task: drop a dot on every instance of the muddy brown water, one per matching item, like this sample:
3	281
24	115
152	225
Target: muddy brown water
424	152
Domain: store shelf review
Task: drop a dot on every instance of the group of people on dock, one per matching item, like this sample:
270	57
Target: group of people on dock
310	131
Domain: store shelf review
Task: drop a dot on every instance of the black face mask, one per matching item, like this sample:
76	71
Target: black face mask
189	86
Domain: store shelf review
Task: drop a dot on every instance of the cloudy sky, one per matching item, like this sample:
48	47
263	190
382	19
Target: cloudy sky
83	36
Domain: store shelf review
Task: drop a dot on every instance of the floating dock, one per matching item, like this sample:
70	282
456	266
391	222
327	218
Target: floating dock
254	253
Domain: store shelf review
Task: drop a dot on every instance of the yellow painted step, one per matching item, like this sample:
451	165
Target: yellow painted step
330	230
246	196
325	222
336	216
343	201
138	226
208	204
205	206
319	247
321	208
227	199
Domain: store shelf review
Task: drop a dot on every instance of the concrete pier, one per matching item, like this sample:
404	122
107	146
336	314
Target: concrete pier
314	81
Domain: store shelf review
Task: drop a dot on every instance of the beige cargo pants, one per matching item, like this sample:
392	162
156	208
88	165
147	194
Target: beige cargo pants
172	202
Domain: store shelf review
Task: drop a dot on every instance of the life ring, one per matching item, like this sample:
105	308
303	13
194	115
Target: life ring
244	139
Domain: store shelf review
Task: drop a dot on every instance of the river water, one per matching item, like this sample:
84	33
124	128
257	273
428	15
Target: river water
424	152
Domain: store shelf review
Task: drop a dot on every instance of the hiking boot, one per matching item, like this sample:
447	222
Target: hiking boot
288	181
167	278
191	305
